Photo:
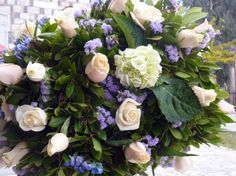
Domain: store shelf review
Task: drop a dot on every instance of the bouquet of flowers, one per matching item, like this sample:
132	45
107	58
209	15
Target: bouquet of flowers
110	89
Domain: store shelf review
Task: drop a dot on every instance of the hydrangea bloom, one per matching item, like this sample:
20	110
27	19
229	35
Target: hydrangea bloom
138	67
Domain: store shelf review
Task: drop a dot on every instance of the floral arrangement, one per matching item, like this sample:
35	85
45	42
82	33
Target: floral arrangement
109	90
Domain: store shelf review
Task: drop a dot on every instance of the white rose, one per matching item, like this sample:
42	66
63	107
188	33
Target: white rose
3	150
183	163
143	12
35	72
205	96
189	38
31	118
117	6
58	143
128	115
136	153
13	157
226	107
68	26
28	28
203	28
98	68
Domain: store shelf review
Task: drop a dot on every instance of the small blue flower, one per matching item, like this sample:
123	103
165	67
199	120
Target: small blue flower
104	117
173	53
21	46
111	42
42	21
107	29
92	45
156	27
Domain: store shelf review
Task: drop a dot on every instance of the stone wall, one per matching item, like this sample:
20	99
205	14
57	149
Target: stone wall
16	11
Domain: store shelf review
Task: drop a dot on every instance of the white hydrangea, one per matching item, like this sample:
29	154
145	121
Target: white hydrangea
138	67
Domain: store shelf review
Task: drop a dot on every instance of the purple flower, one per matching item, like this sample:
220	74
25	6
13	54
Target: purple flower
188	51
80	12
205	41
44	90
111	42
34	104
82	166
175	3
87	23
172	52
122	95
97	4
104	117
151	142
92	45
164	160
42	21
107	29
21	46
156	27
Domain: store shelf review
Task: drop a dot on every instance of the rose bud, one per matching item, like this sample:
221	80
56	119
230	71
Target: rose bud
58	143
128	115
13	157
136	153
10	74
182	164
68	26
98	68
35	72
189	38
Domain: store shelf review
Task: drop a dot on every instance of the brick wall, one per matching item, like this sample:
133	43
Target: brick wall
20	10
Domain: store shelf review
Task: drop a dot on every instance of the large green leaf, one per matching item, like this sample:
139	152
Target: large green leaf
134	35
177	100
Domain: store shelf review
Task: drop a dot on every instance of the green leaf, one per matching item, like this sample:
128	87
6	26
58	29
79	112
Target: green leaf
193	17
134	35
97	149
182	75
69	90
56	121
65	126
172	152
176	133
118	143
64	79
177	100
61	173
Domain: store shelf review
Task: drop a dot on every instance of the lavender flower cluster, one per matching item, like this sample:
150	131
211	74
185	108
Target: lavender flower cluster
80	12
112	86
21	46
42	21
167	162
82	166
156	27
173	53
211	34
44	91
97	4
122	95
176	3
91	46
104	117
149	142
88	24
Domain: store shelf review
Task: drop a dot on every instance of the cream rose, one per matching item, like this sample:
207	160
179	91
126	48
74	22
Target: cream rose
3	150
205	96
13	157
136	153
189	38
31	118
117	6
182	164
35	72
28	28
226	107
98	68
143	12
128	115
203	28
68	26
10	74
58	143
